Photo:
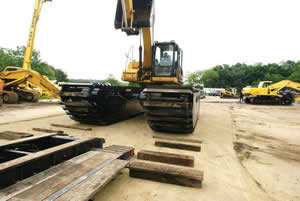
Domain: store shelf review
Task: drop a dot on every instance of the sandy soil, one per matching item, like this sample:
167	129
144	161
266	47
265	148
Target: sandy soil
248	152
12	113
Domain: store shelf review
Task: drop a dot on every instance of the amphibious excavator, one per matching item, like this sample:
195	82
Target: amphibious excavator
167	106
19	82
281	93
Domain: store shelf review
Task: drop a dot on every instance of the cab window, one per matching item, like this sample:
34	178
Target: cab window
164	55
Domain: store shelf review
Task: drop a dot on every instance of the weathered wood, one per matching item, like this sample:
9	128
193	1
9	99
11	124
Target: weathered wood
166	174
56	179
77	179
86	190
169	158
71	127
11	135
177	145
53	184
49	131
178	139
36	179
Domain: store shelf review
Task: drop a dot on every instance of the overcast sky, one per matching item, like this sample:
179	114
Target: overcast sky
78	36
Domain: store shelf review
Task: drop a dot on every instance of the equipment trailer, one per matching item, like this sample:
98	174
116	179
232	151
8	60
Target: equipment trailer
53	167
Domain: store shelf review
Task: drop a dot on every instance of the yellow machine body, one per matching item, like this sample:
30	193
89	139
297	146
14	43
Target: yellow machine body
1	92
28	80
268	90
231	93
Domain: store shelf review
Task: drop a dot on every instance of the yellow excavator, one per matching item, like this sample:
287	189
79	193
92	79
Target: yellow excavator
166	104
1	92
20	83
284	92
229	93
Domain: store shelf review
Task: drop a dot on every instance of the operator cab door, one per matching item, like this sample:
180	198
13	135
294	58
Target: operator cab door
167	60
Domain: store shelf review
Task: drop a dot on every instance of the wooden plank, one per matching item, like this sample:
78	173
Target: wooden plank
166	174
119	148
53	184
178	139
71	127
40	154
23	140
11	135
86	190
35	180
60	177
169	158
48	130
173	145
30	182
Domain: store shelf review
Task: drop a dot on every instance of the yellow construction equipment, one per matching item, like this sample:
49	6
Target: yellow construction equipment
18	81
1	92
158	62
166	108
281	93
167	105
229	93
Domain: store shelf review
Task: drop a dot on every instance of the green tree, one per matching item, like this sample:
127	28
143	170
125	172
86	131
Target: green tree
295	75
132	84
273	77
194	78
112	80
15	57
61	76
210	78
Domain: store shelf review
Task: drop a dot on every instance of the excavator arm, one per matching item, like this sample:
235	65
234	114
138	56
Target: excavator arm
134	17
29	48
285	83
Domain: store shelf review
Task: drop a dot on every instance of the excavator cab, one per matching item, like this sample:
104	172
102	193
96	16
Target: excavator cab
264	84
167	60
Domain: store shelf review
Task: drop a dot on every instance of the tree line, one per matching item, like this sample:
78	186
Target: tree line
241	75
15	57
221	76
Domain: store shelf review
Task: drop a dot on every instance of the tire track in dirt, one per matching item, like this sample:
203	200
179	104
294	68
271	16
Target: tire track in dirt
249	144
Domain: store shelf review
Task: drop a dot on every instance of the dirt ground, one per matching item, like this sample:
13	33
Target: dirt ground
249	152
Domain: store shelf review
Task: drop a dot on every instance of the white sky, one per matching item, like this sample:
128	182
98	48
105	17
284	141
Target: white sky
78	36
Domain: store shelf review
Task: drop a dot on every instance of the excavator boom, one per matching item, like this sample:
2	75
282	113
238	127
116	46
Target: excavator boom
30	44
285	83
